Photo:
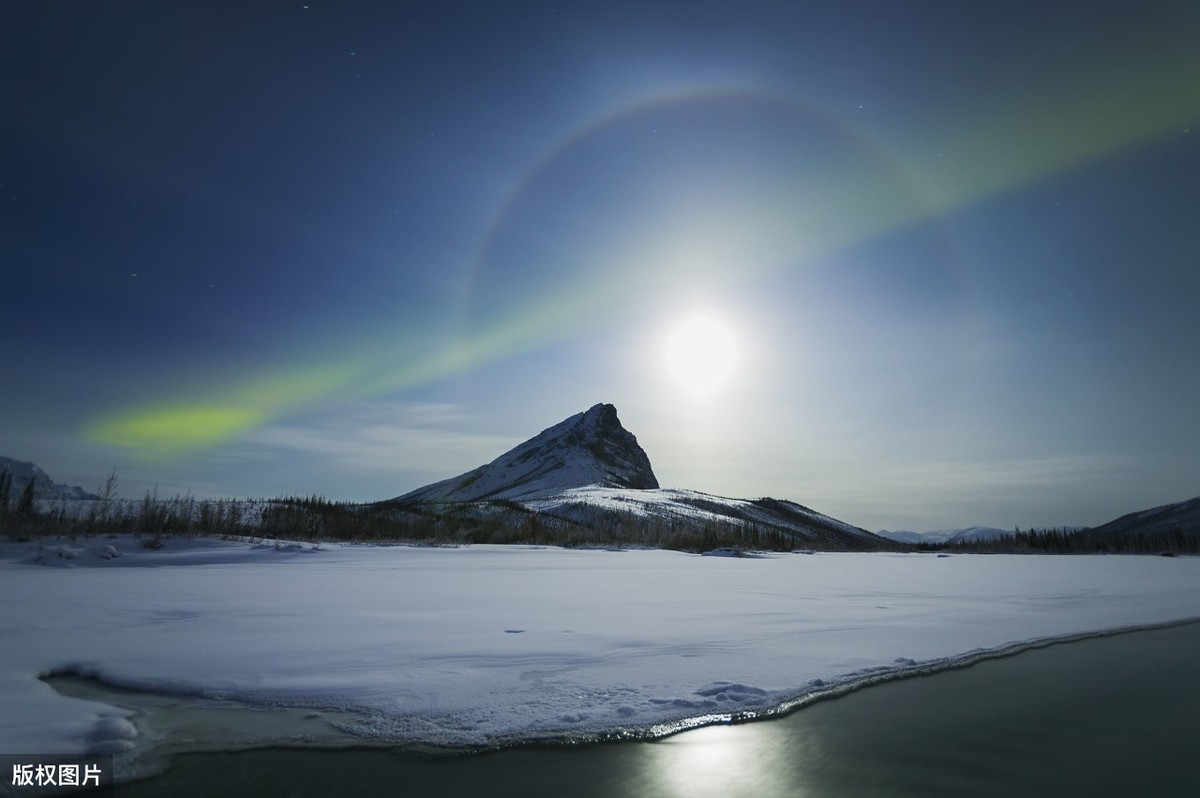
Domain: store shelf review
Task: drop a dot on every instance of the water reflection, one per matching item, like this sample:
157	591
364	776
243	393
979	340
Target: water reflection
752	759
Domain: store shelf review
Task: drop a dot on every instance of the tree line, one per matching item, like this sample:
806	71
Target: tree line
315	518
1172	539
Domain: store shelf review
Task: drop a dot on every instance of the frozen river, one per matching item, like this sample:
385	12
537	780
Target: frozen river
1111	716
488	646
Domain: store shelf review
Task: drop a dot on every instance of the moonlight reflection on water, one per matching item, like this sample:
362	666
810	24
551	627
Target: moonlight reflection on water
728	760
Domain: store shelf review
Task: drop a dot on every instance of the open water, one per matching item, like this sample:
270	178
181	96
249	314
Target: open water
1112	716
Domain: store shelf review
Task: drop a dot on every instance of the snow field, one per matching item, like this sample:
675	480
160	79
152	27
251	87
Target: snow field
484	645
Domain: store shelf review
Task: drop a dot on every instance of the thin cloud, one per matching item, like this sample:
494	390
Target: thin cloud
385	438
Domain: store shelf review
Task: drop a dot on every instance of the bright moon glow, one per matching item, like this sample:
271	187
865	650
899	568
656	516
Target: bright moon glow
700	353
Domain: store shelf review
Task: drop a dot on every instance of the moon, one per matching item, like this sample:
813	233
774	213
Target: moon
700	353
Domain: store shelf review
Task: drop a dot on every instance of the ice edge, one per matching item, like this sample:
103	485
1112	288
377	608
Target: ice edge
792	701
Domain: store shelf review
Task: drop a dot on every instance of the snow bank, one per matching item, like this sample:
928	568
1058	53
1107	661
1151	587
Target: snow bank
486	644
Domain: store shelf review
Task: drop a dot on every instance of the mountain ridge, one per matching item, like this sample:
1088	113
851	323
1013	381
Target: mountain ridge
1168	527
44	487
949	536
588	469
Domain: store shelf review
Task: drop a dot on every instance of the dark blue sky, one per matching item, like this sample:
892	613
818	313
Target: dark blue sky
348	249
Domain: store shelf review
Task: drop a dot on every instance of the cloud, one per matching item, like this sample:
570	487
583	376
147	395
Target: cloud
959	492
976	475
379	438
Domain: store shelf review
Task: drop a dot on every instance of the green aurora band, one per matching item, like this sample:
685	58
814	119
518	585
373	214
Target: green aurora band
1073	121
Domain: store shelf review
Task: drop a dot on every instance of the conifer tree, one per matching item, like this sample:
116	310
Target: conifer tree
25	503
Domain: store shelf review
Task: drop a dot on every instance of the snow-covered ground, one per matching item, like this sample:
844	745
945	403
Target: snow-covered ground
489	644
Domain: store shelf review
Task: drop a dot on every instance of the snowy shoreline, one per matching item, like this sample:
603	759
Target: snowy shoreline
247	727
491	646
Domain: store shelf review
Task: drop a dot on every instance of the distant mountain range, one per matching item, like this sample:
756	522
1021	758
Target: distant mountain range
971	534
589	470
1169	528
43	487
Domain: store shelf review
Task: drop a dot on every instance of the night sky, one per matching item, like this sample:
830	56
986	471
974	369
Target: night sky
913	264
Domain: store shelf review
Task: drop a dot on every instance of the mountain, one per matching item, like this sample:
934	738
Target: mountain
589	448
903	536
589	472
43	487
971	534
1171	527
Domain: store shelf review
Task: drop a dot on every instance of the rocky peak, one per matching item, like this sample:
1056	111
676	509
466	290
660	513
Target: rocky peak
589	448
598	432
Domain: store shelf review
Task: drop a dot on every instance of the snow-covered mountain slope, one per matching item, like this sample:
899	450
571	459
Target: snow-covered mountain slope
693	509
969	535
903	536
590	471
589	448
43	487
1157	527
978	533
